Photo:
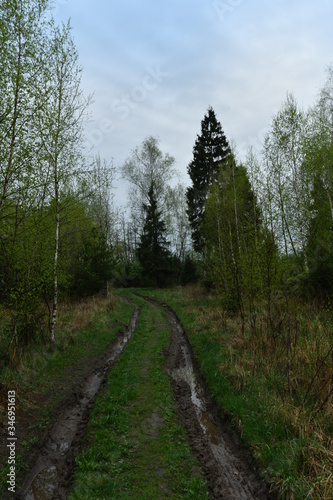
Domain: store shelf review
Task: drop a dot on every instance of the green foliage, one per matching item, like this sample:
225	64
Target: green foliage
234	238
52	242
189	271
93	267
289	180
319	244
320	165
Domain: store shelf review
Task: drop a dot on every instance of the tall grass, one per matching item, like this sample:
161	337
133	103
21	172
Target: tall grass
19	358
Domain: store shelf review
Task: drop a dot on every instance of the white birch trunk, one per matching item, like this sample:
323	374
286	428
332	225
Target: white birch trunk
55	285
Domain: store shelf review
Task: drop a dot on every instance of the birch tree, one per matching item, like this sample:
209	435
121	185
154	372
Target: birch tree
23	41
177	223
319	163
99	185
285	162
232	231
61	129
145	166
22	59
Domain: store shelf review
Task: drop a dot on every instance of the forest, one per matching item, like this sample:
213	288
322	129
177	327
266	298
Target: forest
255	234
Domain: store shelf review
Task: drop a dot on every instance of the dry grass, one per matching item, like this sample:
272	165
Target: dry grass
196	291
73	317
76	316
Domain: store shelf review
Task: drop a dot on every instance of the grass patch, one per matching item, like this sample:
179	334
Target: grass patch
269	403
137	448
41	378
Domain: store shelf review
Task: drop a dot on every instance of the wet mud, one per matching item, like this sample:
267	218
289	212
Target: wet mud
50	475
228	468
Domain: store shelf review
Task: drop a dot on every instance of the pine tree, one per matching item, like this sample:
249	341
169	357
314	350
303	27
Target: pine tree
210	151
153	253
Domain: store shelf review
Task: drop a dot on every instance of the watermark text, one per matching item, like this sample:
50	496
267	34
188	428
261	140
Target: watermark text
11	441
225	7
121	108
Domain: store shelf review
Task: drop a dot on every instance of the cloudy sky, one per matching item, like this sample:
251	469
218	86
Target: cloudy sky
155	67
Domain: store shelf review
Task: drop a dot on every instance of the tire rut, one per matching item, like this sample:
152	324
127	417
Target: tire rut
49	478
228	468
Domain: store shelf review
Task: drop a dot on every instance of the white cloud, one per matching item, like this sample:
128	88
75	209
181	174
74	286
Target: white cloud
241	63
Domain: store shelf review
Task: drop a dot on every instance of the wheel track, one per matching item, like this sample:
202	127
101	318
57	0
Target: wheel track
50	475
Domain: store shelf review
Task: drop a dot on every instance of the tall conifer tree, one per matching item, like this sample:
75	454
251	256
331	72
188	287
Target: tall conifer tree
153	252
210	151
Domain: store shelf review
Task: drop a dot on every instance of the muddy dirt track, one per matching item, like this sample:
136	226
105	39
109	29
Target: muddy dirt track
227	468
50	475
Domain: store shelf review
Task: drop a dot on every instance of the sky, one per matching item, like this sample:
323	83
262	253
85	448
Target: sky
155	67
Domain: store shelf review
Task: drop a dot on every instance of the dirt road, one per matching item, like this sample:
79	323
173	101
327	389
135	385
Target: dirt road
49	476
226	467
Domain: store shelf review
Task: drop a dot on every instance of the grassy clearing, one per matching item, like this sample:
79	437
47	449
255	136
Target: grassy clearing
42	378
137	449
274	406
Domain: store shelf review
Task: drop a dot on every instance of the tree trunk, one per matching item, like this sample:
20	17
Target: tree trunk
55	285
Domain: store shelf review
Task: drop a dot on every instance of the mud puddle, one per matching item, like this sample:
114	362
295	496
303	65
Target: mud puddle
50	475
228	469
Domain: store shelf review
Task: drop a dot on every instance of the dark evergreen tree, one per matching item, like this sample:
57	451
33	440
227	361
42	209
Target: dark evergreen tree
94	264
210	151
189	272
152	252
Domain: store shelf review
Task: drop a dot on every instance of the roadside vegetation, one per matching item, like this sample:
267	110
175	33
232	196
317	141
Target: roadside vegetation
253	238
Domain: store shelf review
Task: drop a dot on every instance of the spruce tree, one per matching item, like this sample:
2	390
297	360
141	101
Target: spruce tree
152	252
210	151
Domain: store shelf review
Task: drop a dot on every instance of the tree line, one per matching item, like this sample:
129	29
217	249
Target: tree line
263	228
60	236
258	232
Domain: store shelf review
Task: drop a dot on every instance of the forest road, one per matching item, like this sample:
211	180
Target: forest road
226	466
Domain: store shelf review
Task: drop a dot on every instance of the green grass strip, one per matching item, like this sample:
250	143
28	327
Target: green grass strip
137	447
